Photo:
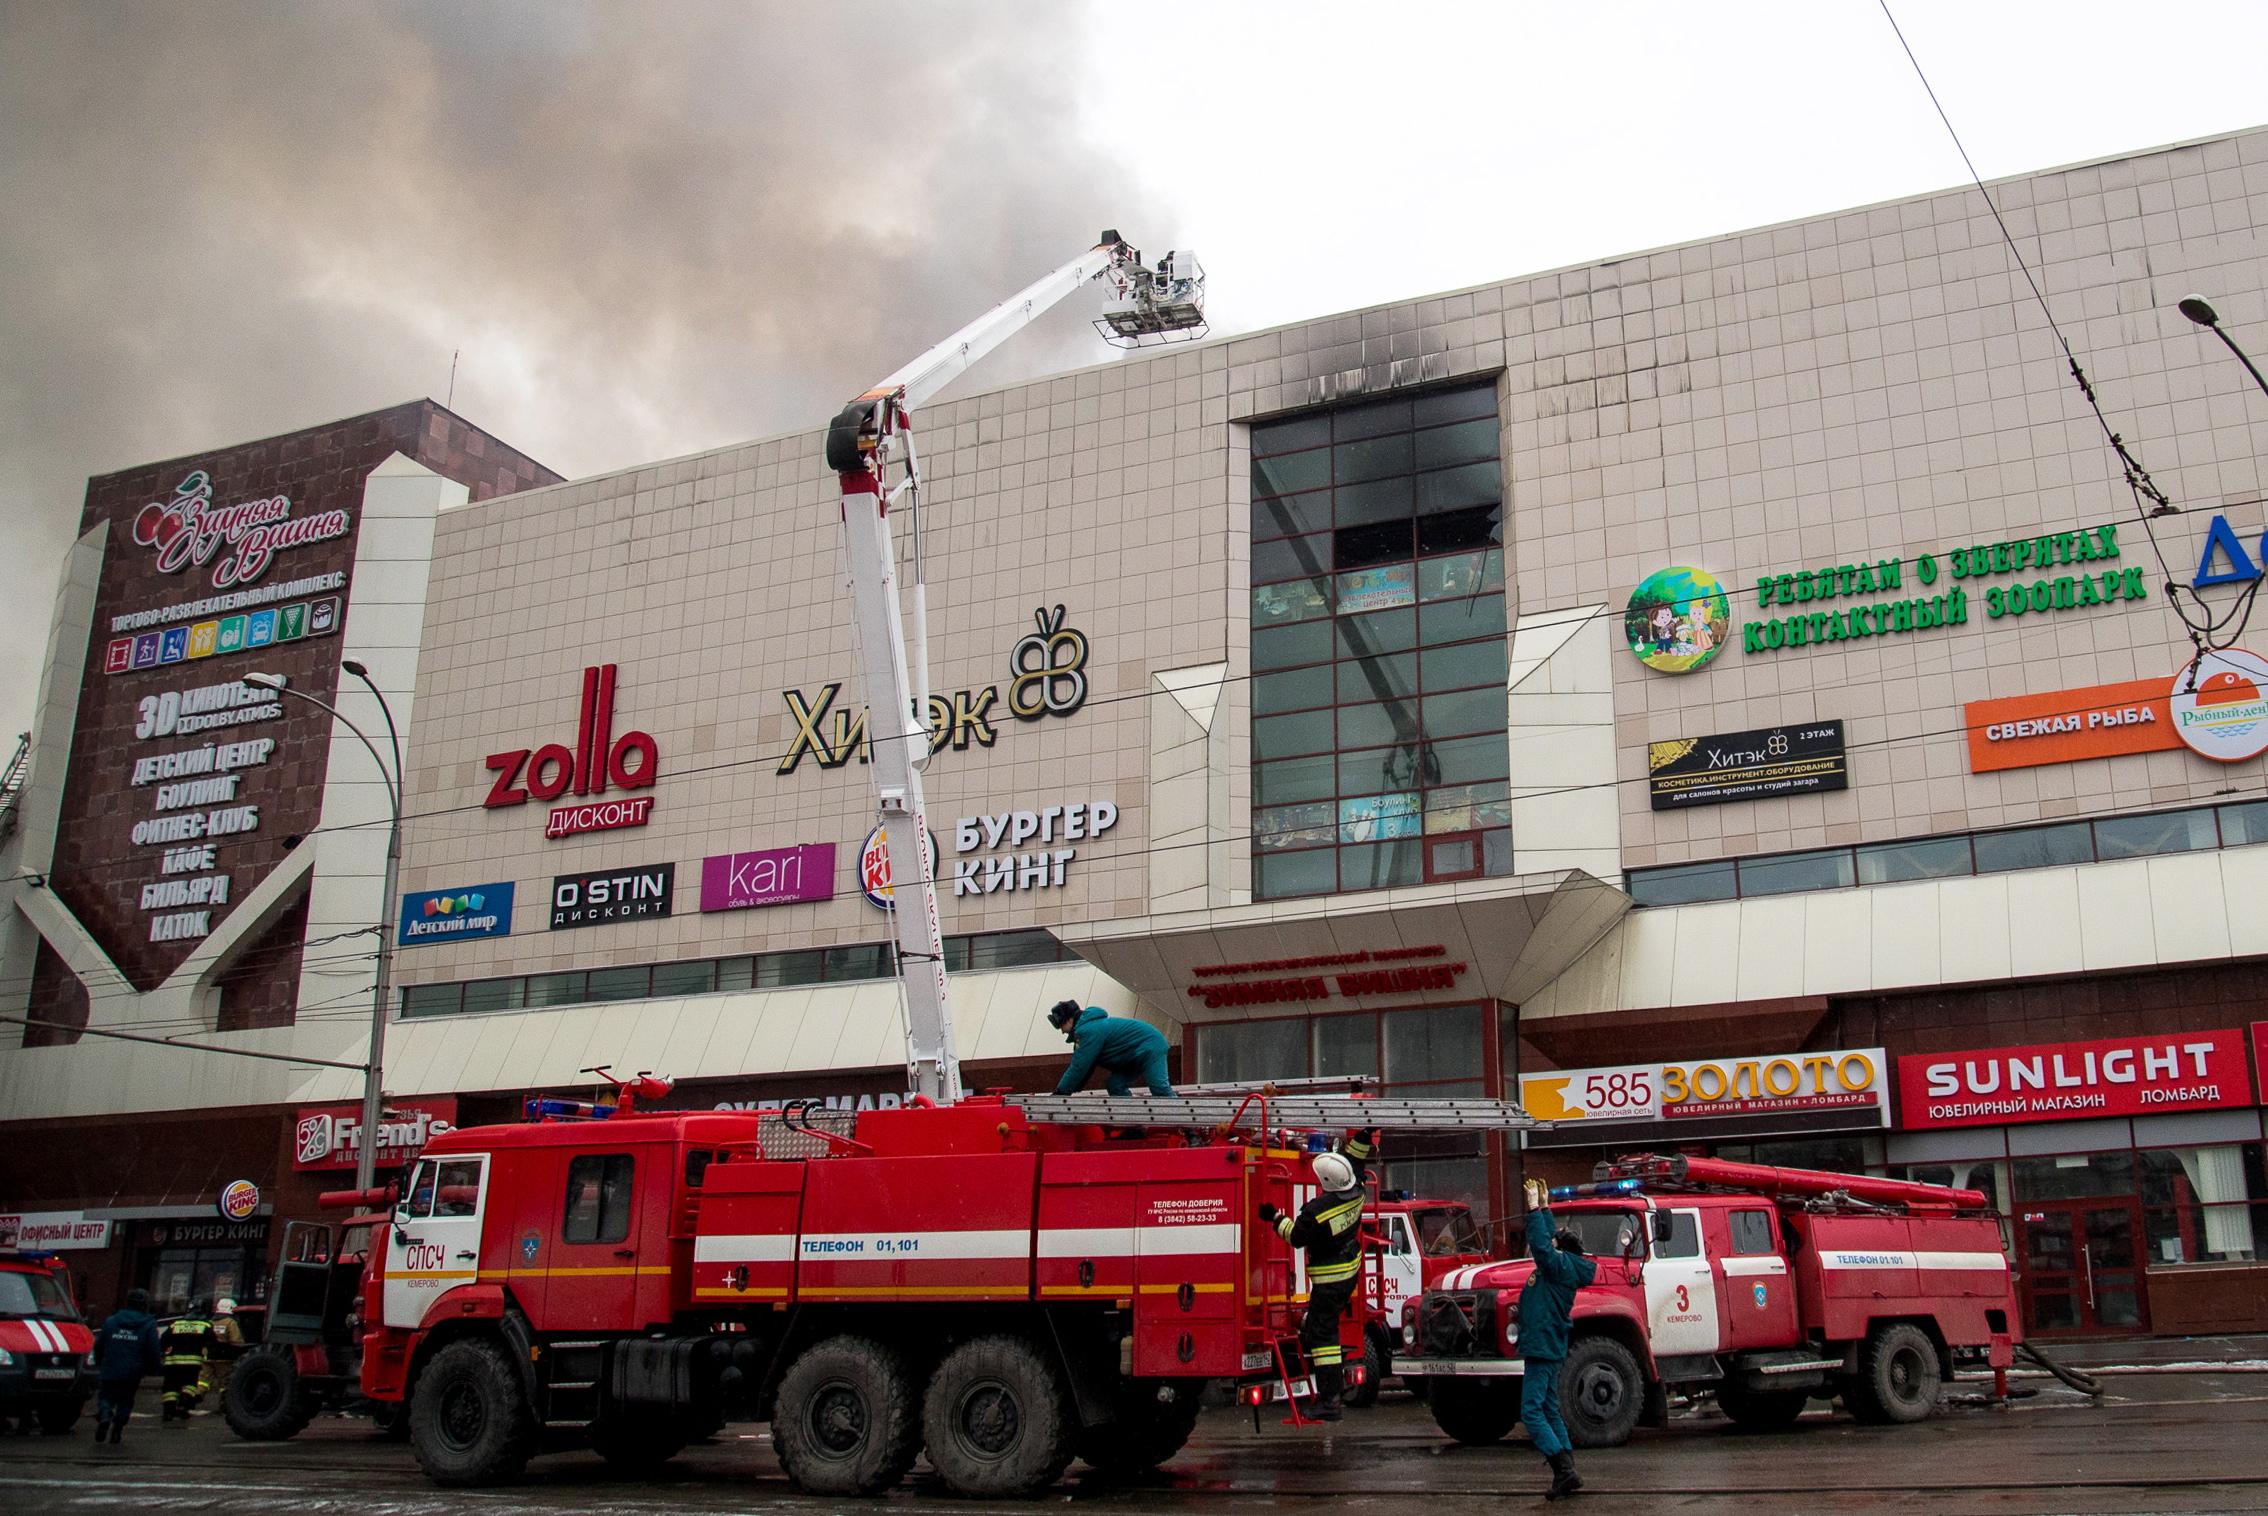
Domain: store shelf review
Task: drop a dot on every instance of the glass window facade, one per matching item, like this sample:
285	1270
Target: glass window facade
1378	651
1428	1052
704	976
2144	835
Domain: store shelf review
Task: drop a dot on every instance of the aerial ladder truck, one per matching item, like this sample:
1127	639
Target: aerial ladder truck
1002	1283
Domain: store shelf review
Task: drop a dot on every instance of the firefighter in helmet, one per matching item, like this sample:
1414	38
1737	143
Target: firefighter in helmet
182	1347
1547	1306
1129	1051
1329	1229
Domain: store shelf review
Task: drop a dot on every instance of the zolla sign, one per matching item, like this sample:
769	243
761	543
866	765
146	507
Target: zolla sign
2086	582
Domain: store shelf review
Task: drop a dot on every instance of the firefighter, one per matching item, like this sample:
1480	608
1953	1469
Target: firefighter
1128	1050
228	1346
1547	1305
1329	1228
182	1364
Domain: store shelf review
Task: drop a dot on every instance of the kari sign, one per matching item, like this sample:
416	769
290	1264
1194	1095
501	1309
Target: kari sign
2059	1081
775	876
52	1231
2065	726
330	1136
480	910
1853	1080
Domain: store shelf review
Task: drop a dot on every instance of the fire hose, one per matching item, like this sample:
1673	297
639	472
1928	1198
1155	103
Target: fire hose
2084	1383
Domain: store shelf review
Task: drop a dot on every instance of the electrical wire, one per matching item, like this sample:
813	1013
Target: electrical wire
2206	629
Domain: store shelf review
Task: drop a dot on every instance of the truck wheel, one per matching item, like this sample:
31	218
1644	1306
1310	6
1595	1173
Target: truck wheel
1601	1393
1760	1410
846	1418
59	1416
263	1401
637	1444
1475	1411
1148	1429
469	1423
1377	1363
1898	1375
998	1420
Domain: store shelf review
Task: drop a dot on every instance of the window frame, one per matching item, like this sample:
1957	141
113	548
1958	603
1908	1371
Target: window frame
579	1163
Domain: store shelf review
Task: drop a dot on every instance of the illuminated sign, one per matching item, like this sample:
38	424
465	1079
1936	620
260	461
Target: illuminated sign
330	1137
2243	567
1047	676
1046	868
2057	1081
775	876
483	910
599	760
190	530
611	895
2065	726
1361	971
1771	761
1851	1082
2220	706
238	1200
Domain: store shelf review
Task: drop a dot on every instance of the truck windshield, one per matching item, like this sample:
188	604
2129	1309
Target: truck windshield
1605	1234
1447	1230
34	1295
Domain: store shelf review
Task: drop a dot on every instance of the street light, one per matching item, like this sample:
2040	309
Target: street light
366	1151
2198	310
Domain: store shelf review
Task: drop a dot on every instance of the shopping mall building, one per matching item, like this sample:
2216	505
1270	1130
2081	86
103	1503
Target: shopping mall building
1724	696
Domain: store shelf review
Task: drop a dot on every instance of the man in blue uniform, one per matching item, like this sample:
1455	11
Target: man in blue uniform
1129	1051
1547	1305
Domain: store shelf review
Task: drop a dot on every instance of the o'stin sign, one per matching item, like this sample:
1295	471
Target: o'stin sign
2220	706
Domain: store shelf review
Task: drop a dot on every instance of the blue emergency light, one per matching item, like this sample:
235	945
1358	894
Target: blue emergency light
550	1108
1599	1190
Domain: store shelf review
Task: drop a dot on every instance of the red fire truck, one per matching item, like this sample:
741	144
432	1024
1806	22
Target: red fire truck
1003	1284
1418	1244
1766	1287
45	1368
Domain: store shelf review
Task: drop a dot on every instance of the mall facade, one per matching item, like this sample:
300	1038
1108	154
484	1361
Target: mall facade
1725	697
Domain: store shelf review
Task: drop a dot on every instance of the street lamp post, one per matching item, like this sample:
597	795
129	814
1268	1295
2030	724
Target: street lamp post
2196	308
366	1151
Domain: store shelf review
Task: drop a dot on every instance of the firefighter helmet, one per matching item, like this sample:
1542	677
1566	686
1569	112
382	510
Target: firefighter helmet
1333	1172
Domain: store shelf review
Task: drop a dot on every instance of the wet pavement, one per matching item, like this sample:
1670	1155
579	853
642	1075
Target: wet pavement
2189	1439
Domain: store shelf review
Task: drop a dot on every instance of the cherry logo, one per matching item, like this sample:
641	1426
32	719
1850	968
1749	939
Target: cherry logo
156	526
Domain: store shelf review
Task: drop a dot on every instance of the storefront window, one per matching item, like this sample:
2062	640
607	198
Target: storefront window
2203	1204
1897	862
2036	847
1791	873
1438	1048
1684	884
1346	1045
1378	622
2075	1176
1246	1050
2241	824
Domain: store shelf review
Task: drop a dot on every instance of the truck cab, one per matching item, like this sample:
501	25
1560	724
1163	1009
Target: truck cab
1420	1243
45	1365
1764	1299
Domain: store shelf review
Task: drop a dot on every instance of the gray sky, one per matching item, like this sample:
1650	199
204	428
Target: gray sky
655	228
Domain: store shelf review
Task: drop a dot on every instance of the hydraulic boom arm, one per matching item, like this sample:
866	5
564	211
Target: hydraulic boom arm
871	433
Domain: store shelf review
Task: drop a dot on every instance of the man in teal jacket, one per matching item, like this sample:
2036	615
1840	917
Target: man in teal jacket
1547	1305
1128	1050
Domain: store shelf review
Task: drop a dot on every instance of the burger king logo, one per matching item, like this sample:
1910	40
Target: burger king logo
238	1200
874	867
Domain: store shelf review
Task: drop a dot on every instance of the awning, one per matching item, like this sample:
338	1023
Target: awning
1500	939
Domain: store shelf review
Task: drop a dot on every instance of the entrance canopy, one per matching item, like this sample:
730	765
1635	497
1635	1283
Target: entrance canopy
1500	939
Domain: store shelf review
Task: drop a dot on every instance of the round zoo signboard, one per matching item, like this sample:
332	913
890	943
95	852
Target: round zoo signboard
2220	705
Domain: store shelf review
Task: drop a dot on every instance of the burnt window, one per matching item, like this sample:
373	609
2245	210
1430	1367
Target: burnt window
598	1198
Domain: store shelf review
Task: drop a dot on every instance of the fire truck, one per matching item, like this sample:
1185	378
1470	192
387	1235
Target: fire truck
310	1358
1766	1287
1002	1284
46	1367
1418	1243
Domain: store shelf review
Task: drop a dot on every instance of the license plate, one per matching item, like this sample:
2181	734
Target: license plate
54	1373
